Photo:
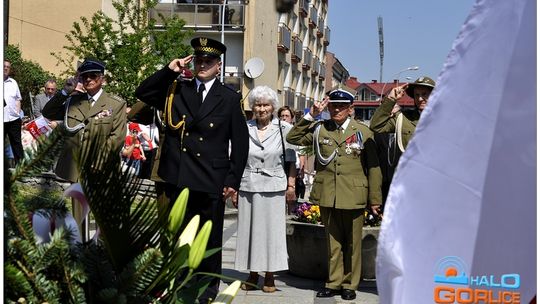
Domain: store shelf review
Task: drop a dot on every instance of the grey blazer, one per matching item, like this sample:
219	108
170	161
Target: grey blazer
264	170
39	103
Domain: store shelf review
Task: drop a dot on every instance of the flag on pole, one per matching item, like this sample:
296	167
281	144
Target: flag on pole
460	219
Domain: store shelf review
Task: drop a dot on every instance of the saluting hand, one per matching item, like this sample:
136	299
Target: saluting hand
178	65
397	92
318	107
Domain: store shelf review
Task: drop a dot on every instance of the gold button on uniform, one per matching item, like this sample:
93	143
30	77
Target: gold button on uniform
200	139
184	149
211	125
198	154
187	134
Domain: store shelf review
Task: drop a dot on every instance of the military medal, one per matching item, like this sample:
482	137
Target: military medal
354	142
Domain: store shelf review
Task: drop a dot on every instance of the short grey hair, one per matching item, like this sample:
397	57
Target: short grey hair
263	93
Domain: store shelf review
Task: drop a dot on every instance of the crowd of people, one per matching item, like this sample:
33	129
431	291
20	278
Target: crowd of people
192	133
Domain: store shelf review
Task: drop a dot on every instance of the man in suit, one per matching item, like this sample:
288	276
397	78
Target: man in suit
88	114
41	99
202	116
348	179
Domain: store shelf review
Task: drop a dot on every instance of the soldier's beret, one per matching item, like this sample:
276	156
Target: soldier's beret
206	47
423	81
91	65
340	95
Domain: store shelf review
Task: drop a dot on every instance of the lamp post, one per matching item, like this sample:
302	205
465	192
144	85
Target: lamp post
411	68
222	39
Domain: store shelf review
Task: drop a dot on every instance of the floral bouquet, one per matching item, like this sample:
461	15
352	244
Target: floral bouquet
308	213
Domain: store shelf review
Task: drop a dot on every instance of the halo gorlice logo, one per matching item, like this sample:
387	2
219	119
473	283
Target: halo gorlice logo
454	286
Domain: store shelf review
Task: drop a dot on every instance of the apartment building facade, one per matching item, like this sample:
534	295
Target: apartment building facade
285	51
291	46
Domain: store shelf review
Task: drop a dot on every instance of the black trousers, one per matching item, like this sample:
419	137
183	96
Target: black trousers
210	207
13	131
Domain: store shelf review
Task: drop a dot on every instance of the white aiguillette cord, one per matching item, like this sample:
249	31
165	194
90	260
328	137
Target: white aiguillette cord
322	160
399	125
68	128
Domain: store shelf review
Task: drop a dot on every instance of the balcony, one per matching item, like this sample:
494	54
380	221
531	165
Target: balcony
301	102
288	98
326	39
322	71
284	42
308	57
320	27
206	16
316	66
303	8
313	17
296	55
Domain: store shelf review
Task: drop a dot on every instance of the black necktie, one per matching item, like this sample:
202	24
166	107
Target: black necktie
200	92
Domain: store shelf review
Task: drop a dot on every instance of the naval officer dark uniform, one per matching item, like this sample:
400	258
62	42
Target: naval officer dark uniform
195	153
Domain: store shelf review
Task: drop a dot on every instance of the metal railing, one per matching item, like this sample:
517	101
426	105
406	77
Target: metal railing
313	17
326	39
308	57
297	50
200	15
284	43
303	8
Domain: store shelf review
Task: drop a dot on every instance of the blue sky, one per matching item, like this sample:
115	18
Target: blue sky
416	33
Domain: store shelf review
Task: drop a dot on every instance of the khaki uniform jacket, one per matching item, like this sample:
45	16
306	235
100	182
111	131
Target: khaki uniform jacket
350	180
107	117
382	122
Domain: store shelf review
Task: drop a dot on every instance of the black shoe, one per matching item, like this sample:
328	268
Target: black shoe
327	293
348	294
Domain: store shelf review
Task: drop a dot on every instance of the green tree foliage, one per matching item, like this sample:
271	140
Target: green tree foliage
29	75
130	45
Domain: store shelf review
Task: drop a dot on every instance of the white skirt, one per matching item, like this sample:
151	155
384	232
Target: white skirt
261	244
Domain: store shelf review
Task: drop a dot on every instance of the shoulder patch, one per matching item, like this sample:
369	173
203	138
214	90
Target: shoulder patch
116	97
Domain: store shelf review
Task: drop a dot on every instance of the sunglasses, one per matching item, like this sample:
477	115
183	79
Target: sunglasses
91	76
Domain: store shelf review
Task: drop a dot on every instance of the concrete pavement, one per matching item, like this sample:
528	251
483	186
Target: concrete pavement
290	289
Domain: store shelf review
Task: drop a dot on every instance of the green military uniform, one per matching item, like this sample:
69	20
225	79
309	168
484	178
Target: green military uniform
383	122
85	118
342	187
106	117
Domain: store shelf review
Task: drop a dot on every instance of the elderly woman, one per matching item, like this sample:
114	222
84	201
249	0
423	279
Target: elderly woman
264	190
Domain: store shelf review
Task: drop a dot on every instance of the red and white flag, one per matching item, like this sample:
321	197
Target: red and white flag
460	219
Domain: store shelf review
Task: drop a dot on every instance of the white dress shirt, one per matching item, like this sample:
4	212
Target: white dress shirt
207	86
12	95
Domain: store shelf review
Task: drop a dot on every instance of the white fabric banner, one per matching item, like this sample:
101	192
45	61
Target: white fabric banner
460	219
